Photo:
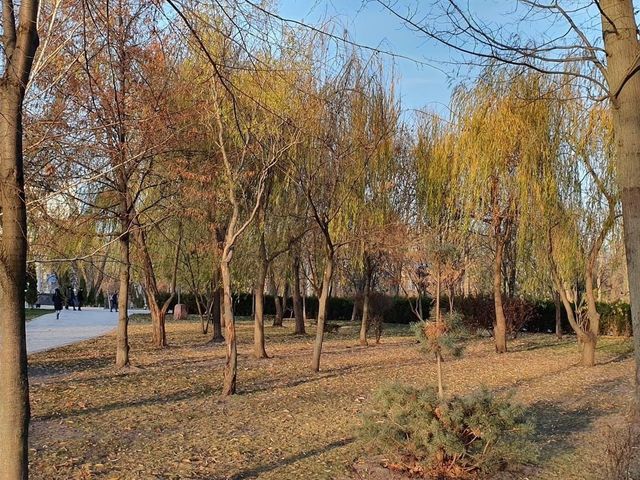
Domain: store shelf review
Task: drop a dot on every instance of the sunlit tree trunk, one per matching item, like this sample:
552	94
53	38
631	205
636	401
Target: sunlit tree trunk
322	308
623	54
19	44
231	365
366	299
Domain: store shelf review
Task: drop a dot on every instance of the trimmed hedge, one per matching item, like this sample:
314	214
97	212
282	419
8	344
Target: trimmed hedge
478	312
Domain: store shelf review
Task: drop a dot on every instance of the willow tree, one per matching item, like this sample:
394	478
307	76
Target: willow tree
278	227
581	213
505	134
340	151
611	72
376	126
241	136
441	232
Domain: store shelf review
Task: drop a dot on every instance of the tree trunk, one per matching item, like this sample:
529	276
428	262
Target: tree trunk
500	331
593	330
258	324
122	335
322	309
216	313
159	336
558	305
297	300
366	295
158	312
623	50
304	306
203	313
231	365
588	344
19	45
277	320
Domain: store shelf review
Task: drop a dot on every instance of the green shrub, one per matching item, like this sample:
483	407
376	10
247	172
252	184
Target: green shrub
615	318
467	435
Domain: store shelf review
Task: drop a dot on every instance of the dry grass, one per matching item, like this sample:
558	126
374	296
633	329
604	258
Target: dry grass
165	419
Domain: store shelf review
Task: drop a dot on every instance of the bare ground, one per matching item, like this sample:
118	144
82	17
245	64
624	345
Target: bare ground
164	419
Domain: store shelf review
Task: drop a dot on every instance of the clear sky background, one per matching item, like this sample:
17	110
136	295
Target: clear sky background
420	86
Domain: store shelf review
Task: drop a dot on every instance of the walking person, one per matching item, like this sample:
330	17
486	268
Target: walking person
72	299
57	302
114	302
80	299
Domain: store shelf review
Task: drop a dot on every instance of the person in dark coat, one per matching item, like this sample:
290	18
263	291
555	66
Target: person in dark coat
71	301
80	298
114	302
57	302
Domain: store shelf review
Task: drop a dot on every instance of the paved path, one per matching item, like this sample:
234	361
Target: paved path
47	332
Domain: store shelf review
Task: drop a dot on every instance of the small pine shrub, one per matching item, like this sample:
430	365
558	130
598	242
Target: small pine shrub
447	337
456	437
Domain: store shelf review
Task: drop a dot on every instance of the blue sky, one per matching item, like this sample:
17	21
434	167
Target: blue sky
419	85
422	87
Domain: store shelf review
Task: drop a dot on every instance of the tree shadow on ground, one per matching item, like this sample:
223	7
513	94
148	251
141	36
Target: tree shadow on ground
552	342
65	365
555	425
255	472
277	382
180	395
617	359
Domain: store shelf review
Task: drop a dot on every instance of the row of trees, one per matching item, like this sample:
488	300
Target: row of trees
221	149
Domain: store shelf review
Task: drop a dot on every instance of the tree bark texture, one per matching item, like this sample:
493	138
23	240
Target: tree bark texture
322	309
620	34
19	44
231	365
366	301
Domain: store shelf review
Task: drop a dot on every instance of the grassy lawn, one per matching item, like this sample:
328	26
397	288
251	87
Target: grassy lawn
164	419
31	313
